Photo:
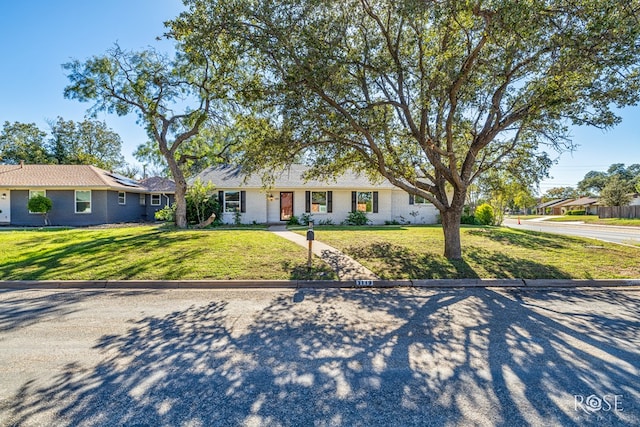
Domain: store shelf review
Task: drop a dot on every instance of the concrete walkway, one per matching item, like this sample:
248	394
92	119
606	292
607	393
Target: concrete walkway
346	267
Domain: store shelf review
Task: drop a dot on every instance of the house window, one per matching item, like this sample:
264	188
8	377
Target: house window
83	201
122	198
34	193
143	199
364	201
419	200
319	201
155	200
232	201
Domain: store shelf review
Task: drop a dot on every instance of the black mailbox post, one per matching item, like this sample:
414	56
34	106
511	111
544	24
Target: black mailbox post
310	238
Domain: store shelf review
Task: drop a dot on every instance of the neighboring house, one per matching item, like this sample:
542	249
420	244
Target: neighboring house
81	195
246	199
587	204
552	207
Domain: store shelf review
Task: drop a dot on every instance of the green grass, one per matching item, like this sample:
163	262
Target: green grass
491	252
152	253
593	219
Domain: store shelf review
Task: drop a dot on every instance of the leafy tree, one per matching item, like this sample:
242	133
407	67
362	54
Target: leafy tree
560	193
89	142
616	192
525	200
23	141
430	95
41	204
594	181
174	99
202	202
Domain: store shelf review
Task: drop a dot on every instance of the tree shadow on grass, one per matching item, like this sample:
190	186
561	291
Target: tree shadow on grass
354	358
396	261
523	238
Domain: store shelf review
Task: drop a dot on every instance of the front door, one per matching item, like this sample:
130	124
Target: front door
286	205
5	206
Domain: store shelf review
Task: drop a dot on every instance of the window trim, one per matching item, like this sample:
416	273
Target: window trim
124	197
226	203
33	193
159	196
326	203
75	204
142	199
366	205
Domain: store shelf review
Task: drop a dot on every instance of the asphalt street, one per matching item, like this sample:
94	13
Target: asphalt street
360	357
626	235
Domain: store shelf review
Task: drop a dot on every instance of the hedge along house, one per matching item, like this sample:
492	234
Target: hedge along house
81	195
244	198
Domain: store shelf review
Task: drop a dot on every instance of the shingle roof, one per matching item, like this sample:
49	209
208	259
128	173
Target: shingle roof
156	184
583	201
63	176
232	177
551	203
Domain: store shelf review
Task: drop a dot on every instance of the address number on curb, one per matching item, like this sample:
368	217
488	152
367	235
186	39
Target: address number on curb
364	282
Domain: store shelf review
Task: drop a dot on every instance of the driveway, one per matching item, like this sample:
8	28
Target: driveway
399	357
626	235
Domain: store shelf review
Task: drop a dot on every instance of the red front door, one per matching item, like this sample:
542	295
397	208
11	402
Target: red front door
286	206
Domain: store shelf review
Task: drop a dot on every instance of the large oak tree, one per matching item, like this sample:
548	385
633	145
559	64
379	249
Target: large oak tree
430	94
174	98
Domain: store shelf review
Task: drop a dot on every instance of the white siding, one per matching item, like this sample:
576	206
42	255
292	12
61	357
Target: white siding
392	205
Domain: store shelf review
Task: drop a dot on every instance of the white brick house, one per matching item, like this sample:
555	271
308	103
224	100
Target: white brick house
323	200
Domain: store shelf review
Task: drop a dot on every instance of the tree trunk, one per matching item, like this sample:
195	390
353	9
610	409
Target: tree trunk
451	228
181	191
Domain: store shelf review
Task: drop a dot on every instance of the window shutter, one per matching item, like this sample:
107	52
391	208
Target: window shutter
221	199
375	202
243	201
307	201
329	201
354	201
412	199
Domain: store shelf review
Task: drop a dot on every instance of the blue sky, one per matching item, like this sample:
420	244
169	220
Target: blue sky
40	35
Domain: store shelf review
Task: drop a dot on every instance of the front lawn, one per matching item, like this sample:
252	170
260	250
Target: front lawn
152	253
491	252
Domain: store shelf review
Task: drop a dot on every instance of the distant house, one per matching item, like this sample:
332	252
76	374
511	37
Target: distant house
587	204
326	201
552	207
81	195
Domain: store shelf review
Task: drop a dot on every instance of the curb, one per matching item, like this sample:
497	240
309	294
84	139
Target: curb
320	284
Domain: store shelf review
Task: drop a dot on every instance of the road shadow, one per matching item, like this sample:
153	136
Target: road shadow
359	358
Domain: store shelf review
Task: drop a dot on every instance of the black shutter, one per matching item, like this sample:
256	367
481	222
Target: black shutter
221	200
307	201
375	202
354	201
412	200
329	201
243	201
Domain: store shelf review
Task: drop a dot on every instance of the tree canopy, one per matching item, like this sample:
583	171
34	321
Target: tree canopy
430	95
89	142
174	99
595	181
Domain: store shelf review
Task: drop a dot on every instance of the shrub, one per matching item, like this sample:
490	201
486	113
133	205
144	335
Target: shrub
357	218
468	219
484	214
293	220
327	221
168	213
42	205
577	212
305	219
